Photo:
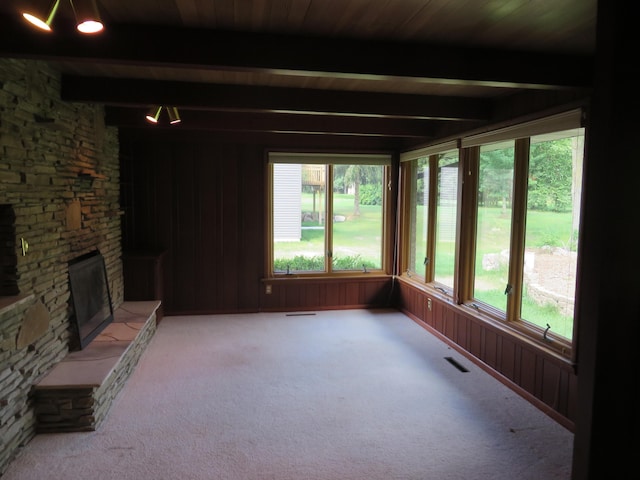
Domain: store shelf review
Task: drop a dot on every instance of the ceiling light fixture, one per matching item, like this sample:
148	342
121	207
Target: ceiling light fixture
39	16
174	116
153	115
41	13
87	16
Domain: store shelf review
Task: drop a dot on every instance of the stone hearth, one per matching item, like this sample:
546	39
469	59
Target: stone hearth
77	393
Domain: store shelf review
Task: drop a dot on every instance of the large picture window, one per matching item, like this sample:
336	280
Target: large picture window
328	213
517	218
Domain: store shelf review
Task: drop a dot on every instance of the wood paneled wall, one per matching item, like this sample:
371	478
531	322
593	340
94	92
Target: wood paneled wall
203	203
327	294
545	379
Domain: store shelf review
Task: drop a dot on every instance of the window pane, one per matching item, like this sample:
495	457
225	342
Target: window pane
493	227
419	215
298	217
553	212
357	217
447	203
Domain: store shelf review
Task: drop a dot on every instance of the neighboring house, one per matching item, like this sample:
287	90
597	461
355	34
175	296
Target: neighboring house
287	202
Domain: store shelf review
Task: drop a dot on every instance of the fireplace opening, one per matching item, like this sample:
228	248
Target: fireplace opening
92	309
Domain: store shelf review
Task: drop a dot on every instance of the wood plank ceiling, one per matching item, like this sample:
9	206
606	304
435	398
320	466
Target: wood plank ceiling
406	71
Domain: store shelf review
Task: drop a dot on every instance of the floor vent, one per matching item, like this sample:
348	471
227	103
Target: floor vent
455	363
304	314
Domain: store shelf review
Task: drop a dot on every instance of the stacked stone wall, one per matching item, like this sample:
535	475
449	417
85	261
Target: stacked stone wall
59	175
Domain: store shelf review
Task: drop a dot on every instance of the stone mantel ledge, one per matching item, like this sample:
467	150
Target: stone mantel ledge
9	303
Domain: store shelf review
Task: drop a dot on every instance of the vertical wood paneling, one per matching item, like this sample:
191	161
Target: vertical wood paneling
203	203
528	367
462	331
183	254
508	358
228	253
292	296
352	291
475	342
335	295
490	350
550	381
206	186
563	389
315	294
251	225
409	300
438	316
450	325
572	395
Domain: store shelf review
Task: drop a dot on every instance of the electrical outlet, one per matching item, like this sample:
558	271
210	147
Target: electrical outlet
267	289
429	304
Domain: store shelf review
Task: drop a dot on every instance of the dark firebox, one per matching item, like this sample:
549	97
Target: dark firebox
92	309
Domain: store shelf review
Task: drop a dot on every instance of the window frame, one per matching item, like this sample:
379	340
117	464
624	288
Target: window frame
330	159
464	275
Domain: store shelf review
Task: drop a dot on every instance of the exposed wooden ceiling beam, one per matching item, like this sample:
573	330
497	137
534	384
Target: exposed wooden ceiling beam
300	55
276	140
122	92
127	117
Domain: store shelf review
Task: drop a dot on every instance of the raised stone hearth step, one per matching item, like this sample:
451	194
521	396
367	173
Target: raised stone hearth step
77	393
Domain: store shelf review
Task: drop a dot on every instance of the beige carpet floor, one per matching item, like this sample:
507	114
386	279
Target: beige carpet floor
344	395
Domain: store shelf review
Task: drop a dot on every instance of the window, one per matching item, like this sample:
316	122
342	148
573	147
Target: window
328	213
447	213
419	216
493	223
552	224
432	244
506	245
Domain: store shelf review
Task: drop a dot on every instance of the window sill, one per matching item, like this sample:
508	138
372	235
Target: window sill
428	288
327	278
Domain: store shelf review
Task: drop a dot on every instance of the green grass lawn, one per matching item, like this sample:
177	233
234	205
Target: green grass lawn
356	241
360	238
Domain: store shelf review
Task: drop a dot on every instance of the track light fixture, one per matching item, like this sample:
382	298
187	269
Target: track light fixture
153	115
40	16
87	16
41	13
174	116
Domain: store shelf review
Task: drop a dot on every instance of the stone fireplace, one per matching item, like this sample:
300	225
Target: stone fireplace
60	194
